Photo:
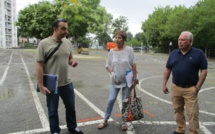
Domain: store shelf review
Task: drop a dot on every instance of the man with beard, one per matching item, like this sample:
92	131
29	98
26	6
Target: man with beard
58	65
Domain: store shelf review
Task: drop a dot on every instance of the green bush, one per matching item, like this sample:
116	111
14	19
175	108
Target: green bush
27	45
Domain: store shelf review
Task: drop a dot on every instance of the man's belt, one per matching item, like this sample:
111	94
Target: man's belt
184	86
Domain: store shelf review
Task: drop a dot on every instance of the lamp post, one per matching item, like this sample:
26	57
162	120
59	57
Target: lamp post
170	46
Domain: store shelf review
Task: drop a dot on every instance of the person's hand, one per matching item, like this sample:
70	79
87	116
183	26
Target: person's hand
134	83
197	89
44	90
165	90
73	63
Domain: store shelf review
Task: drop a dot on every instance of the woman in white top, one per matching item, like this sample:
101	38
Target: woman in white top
120	61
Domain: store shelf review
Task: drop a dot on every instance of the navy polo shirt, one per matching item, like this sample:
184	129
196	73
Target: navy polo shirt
185	68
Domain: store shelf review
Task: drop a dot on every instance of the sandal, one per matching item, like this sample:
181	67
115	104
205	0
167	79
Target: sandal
124	126
102	125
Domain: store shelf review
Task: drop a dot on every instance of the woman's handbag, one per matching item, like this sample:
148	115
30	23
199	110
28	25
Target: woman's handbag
132	108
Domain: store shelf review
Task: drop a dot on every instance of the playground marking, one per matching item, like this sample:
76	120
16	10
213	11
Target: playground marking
202	126
6	71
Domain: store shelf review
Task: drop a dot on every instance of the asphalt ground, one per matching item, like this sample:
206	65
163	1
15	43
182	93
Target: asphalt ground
24	111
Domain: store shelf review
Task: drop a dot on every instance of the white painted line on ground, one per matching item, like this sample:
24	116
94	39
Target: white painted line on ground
141	89
202	90
97	110
42	130
158	98
34	131
6	71
155	122
46	129
85	123
42	115
205	130
208	123
40	110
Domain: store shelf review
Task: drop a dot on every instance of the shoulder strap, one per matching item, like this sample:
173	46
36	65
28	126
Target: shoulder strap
50	55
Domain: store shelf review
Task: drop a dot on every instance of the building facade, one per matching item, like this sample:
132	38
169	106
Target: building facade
8	29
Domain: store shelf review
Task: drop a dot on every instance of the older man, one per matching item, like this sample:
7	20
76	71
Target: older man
185	63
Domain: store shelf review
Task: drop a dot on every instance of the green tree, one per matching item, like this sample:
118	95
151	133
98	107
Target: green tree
120	23
174	25
80	14
141	38
35	20
203	24
102	27
129	36
154	26
165	25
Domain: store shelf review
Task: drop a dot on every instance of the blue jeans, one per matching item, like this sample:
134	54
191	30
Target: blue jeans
112	98
68	96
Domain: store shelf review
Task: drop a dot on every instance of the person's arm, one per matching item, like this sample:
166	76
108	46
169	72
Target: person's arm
39	74
134	70
72	61
109	70
134	79
166	75
108	63
202	78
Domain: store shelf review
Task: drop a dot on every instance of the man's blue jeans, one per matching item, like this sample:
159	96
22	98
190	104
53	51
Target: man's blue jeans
112	98
68	96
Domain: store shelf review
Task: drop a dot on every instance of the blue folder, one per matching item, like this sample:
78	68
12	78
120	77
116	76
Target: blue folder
50	81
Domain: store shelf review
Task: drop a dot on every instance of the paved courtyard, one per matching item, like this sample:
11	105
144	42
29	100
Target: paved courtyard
23	110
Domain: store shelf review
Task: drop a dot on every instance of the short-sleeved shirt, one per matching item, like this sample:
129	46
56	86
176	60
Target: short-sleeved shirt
185	68
58	63
120	62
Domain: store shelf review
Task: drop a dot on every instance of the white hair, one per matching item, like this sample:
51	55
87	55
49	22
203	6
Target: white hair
189	36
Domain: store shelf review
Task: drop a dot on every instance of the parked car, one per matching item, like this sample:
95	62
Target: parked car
138	49
83	49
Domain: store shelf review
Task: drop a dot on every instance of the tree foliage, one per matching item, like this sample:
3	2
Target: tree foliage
120	23
165	24
102	27
204	24
86	16
35	20
80	14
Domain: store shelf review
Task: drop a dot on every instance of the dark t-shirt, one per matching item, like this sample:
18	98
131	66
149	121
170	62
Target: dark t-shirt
185	68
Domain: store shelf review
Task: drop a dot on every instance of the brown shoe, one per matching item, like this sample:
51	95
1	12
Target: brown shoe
102	125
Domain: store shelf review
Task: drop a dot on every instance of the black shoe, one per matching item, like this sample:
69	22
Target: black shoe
76	131
177	133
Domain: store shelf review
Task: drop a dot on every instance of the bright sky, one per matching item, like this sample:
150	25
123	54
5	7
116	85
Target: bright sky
136	11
